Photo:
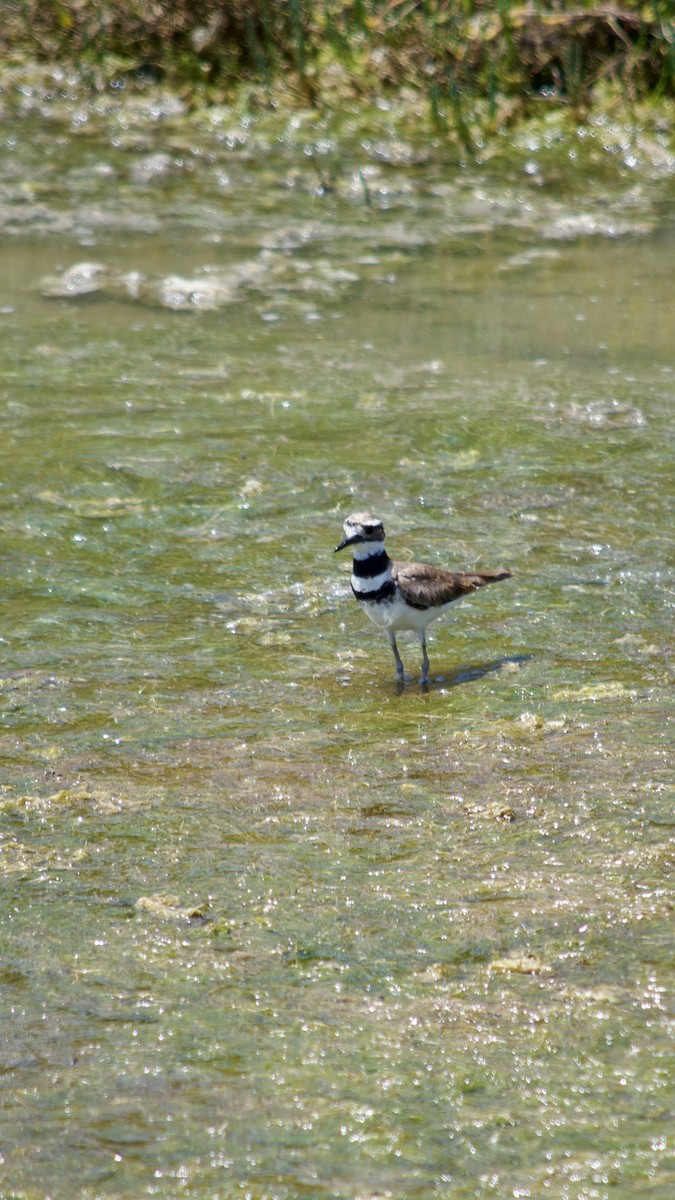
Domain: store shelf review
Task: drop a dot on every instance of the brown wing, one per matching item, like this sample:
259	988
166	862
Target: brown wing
423	586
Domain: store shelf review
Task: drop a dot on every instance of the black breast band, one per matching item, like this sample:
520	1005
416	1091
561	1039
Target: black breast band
386	592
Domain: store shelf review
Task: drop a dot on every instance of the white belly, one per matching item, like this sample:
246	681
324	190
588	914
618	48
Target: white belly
397	615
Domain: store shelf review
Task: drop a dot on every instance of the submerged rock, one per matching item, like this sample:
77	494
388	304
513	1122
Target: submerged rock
170	908
82	279
212	290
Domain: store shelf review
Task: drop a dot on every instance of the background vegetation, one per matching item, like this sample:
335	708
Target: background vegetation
501	55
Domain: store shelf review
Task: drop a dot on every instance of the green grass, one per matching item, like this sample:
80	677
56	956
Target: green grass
473	62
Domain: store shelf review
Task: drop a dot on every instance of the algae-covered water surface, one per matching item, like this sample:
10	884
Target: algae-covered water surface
273	927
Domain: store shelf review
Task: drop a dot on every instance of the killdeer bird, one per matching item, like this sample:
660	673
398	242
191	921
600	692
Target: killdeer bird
403	595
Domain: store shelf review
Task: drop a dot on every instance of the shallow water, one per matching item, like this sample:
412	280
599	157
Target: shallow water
272	927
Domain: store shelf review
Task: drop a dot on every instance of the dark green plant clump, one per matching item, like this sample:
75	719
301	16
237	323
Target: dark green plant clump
499	55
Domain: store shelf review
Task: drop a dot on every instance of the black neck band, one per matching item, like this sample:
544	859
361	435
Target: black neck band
374	564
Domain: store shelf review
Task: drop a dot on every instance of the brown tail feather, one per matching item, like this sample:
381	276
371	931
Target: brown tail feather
483	577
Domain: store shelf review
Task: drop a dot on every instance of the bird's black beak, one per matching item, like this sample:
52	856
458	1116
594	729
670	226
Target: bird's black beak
350	541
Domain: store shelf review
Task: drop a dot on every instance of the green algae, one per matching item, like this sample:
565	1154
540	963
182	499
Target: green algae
438	946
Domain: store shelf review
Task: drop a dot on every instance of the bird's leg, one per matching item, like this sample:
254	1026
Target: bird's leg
425	657
397	656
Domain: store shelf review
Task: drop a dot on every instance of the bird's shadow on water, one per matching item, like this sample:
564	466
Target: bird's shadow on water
465	674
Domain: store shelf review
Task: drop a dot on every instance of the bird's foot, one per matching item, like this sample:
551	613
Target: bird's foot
402	678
